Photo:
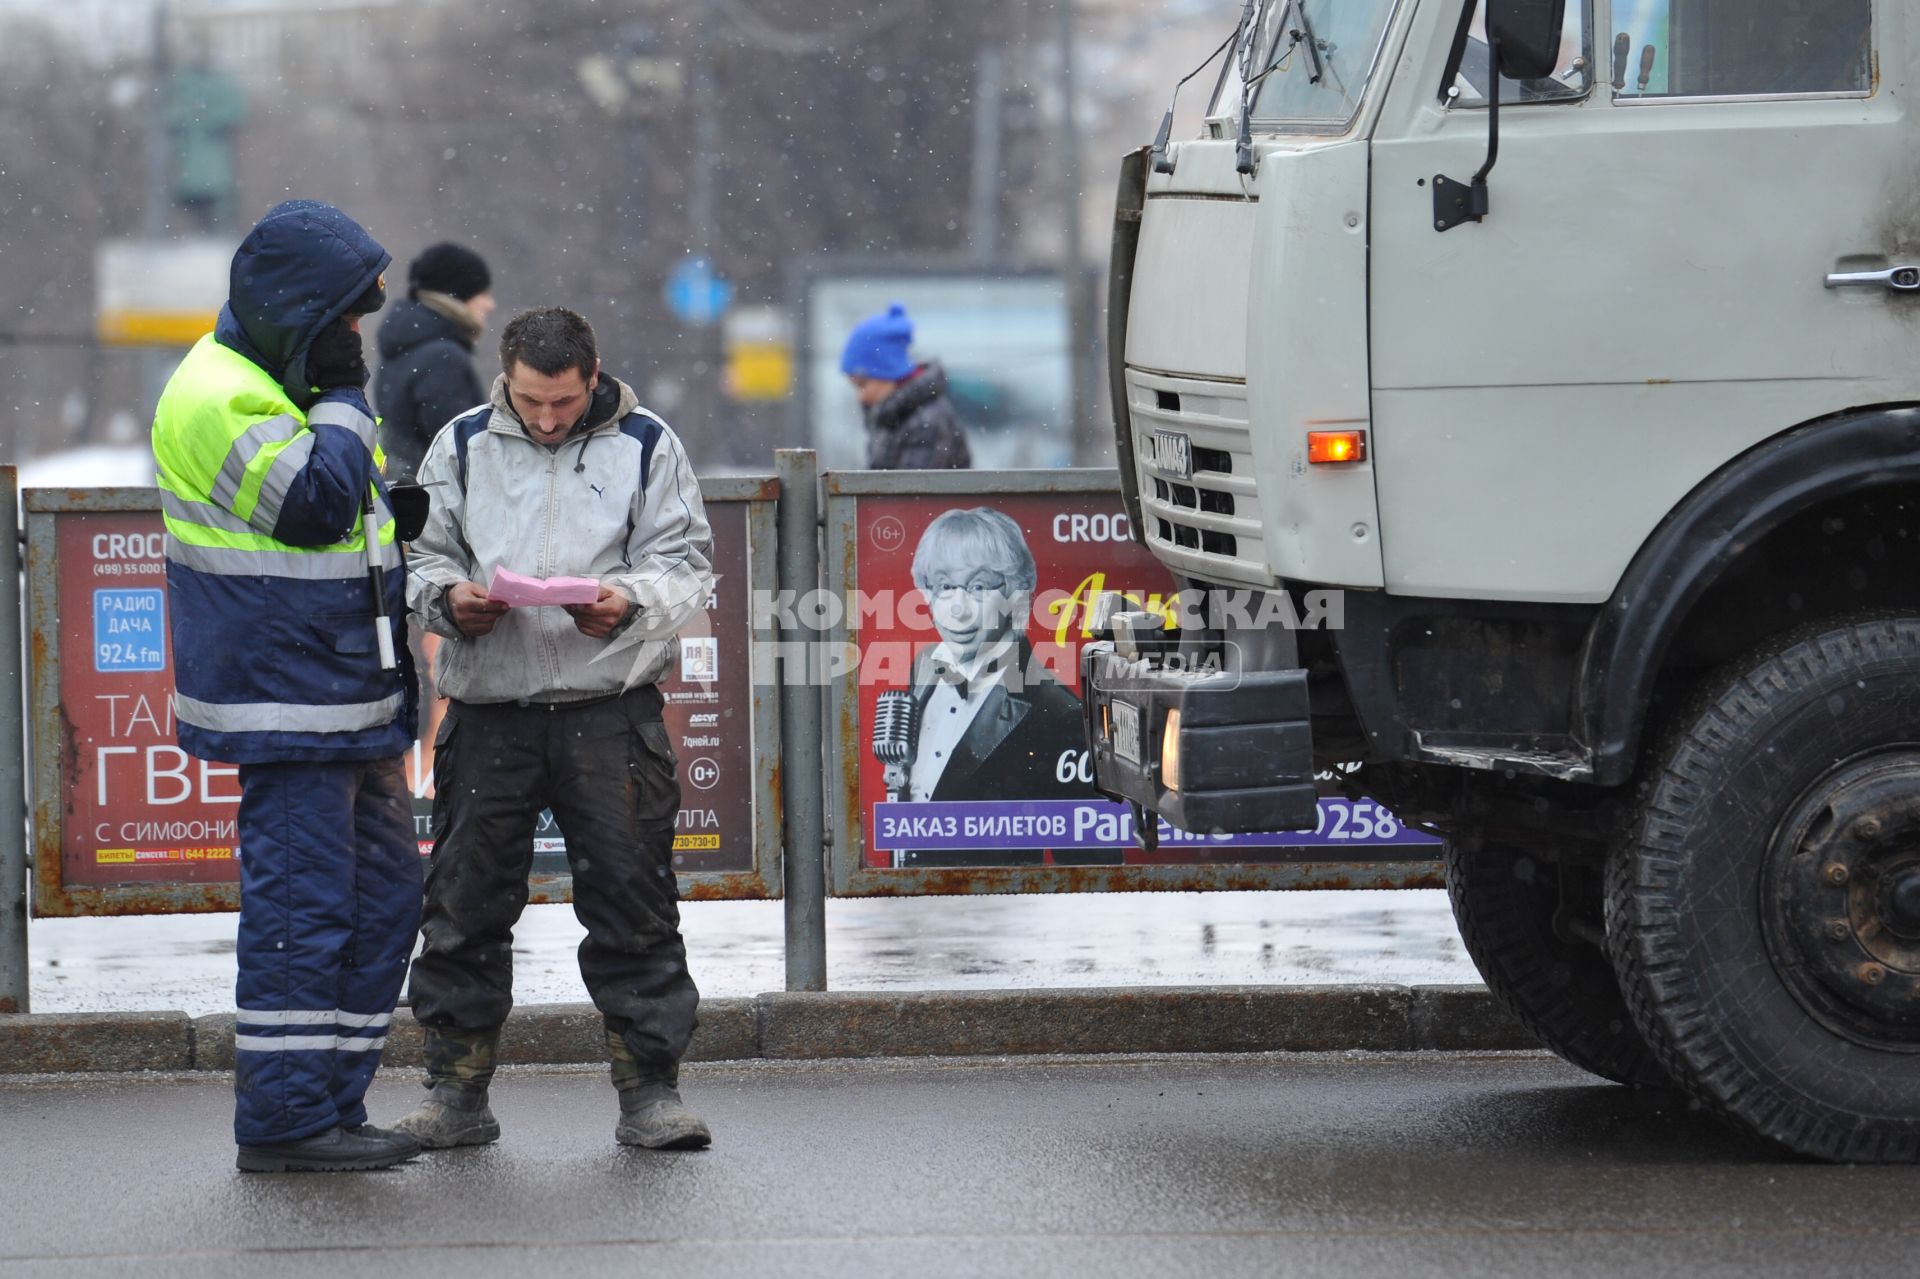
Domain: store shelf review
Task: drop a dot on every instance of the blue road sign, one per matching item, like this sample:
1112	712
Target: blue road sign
695	294
129	630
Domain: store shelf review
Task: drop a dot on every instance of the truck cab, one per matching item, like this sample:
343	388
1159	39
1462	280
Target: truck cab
1546	438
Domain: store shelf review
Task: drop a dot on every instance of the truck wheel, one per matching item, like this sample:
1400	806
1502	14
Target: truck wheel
1562	989
1764	911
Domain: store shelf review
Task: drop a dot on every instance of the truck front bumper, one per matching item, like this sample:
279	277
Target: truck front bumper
1212	752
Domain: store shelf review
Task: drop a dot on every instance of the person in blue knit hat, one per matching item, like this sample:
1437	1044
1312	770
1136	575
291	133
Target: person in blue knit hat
910	423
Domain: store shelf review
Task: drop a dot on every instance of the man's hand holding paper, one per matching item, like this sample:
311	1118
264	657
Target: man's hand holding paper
473	612
598	619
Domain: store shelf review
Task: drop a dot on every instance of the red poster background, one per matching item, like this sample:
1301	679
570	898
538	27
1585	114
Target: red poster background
1080	546
137	810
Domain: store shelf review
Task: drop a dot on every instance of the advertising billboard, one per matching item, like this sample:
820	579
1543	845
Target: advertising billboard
137	809
1002	340
966	613
127	822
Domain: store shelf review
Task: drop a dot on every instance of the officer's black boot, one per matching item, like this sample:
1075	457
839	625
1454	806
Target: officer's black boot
335	1150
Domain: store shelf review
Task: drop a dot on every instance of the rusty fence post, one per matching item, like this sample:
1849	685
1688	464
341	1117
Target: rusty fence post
802	724
13	758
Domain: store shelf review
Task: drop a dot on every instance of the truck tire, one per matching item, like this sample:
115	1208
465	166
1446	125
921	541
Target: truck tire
1562	990
1764	910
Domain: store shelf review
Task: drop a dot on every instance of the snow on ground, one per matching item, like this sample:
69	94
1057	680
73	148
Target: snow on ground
929	943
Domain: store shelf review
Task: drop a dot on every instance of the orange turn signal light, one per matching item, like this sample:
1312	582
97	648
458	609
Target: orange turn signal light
1336	446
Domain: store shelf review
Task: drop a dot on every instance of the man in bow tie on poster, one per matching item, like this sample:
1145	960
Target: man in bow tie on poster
991	721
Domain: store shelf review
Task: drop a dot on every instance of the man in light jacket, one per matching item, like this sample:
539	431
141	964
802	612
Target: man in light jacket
563	474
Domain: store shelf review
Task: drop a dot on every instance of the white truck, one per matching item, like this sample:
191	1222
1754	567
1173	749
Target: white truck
1587	395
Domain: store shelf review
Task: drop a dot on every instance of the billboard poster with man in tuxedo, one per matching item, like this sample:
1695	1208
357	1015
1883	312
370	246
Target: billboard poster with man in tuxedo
973	748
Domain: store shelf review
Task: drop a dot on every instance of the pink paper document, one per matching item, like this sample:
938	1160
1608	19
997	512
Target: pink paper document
509	587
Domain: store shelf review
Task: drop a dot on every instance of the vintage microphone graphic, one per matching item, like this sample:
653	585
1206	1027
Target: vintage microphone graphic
896	738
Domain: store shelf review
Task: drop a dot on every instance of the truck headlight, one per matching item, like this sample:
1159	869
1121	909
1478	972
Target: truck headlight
1170	751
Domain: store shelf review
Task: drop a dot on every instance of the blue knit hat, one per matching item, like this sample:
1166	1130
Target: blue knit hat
877	347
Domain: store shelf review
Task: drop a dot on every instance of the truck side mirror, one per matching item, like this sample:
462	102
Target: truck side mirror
1526	36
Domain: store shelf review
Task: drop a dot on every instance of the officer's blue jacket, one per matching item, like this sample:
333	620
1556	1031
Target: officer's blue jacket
262	483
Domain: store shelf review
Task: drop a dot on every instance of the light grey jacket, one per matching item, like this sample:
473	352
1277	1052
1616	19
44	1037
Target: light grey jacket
616	500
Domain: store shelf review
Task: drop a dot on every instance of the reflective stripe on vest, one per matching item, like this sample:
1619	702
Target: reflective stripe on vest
333	413
207	515
285	717
334	565
238	466
293	457
229	446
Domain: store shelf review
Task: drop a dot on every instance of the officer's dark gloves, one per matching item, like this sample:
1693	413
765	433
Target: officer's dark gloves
336	360
411	502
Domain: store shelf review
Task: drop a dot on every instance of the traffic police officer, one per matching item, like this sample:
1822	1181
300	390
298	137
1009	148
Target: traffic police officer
264	445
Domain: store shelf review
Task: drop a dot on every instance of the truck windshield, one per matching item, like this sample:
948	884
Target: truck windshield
1303	63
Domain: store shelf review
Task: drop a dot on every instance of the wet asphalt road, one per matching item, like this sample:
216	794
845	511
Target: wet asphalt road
1162	1167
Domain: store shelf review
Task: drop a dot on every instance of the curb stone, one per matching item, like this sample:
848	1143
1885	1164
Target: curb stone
66	1042
1101	1020
1106	1020
540	1034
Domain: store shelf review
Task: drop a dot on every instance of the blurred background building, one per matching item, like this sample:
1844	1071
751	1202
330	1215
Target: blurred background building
717	184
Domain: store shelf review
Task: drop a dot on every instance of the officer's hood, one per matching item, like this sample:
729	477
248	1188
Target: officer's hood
298	270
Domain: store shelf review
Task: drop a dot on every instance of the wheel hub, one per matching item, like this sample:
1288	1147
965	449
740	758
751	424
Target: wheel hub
1841	900
1903	903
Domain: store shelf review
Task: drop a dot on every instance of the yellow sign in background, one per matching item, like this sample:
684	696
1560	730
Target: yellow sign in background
159	292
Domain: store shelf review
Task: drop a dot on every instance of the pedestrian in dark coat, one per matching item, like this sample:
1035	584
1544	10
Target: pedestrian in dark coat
426	351
910	421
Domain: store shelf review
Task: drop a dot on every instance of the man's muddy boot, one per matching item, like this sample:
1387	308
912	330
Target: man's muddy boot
460	1066
651	1115
451	1116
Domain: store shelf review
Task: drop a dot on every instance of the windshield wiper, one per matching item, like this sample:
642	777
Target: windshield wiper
1312	41
1297	36
1320	55
1243	133
1243	148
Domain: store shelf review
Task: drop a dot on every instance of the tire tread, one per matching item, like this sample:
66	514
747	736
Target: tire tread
1645	878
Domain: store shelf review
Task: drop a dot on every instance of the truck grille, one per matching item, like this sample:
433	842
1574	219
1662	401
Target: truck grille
1207	523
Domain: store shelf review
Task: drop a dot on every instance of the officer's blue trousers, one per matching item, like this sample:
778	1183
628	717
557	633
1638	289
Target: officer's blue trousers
329	907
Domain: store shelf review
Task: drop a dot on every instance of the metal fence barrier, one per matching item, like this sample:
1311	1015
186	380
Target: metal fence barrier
13	769
879	702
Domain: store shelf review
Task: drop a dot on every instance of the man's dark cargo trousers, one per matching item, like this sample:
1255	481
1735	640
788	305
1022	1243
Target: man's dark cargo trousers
606	770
